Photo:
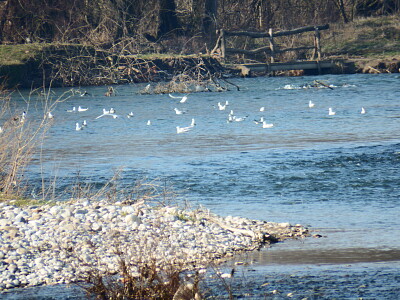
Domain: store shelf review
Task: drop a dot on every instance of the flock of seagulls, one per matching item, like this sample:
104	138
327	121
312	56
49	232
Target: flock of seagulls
111	113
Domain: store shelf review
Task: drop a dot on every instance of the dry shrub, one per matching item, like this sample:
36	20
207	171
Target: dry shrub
144	281
20	138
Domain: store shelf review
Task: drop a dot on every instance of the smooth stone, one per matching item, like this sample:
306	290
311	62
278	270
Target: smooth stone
133	219
4	222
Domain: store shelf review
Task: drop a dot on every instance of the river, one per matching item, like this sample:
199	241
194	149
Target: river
339	175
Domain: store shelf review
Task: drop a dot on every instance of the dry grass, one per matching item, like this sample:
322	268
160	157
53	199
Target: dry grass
142	280
373	37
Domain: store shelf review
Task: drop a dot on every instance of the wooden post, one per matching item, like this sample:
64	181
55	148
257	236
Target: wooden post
271	45
317	37
223	45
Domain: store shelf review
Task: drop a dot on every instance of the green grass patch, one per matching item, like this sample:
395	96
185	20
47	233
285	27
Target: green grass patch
18	54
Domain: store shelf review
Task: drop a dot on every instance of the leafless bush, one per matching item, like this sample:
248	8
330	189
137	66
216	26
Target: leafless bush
144	280
20	138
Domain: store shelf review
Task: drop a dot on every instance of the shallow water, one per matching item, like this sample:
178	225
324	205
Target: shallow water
337	174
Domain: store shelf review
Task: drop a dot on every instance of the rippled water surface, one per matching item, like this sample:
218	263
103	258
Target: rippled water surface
338	174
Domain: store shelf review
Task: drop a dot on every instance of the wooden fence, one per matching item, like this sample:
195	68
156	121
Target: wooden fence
272	49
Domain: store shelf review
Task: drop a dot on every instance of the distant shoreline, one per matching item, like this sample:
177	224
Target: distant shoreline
78	65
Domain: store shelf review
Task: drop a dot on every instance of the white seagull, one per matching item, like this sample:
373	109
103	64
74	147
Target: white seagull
130	115
239	119
267	125
262	108
78	127
148	123
72	110
311	104
108	114
183	99
221	106
50	115
23	116
179	112
186	129
80	109
363	111
84	123
331	112
183	129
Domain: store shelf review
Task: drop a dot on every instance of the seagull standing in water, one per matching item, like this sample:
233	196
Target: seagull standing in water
78	127
331	112
363	111
311	104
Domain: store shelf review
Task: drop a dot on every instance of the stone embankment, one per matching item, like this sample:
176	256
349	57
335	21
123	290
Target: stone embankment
63	243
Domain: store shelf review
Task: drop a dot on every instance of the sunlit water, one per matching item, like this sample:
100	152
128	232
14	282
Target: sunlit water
339	175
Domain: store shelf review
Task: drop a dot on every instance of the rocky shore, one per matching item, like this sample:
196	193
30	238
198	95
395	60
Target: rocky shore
62	243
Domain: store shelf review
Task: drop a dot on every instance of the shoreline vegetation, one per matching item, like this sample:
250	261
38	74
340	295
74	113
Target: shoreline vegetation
366	45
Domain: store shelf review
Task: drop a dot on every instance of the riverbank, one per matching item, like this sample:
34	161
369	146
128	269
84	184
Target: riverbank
64	243
366	45
78	65
35	65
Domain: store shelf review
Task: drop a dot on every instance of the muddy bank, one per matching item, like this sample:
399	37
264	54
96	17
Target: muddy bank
377	66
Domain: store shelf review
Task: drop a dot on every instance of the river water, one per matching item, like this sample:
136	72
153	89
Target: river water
339	175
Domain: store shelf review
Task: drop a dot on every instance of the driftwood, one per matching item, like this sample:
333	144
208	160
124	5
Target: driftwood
323	84
265	49
245	232
277	33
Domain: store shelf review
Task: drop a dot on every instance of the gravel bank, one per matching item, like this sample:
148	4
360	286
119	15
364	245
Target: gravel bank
61	243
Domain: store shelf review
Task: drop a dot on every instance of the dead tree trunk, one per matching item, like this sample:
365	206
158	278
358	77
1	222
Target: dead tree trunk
168	21
210	21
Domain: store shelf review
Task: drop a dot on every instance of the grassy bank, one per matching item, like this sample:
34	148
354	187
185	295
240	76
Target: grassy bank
372	43
368	38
